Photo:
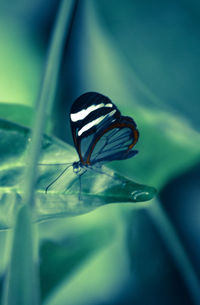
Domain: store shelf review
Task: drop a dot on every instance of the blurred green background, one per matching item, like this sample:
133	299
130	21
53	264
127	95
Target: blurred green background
144	55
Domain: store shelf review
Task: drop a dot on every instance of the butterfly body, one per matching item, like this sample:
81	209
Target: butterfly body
79	168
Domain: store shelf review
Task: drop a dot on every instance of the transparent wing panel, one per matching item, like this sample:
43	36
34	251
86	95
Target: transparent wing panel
112	145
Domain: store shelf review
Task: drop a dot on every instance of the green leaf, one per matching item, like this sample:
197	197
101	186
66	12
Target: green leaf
63	198
67	255
20	114
100	274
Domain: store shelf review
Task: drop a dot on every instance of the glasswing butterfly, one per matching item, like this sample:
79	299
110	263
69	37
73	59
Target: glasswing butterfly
100	134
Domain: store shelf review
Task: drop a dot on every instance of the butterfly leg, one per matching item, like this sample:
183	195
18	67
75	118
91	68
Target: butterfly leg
80	186
79	195
46	190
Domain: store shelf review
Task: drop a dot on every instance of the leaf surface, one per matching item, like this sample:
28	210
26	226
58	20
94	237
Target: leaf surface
98	186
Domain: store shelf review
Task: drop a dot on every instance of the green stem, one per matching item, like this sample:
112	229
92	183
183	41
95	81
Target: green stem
176	249
47	92
22	284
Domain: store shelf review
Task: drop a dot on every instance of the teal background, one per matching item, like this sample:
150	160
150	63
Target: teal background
144	55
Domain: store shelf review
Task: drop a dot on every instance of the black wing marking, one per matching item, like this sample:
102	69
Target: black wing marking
90	114
99	131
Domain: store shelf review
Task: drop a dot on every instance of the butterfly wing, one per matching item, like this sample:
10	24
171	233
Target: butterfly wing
99	131
115	142
90	113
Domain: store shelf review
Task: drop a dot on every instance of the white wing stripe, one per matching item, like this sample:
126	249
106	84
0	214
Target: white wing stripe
83	113
95	122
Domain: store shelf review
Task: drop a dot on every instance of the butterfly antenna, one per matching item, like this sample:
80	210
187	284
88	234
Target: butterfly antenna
57	178
55	163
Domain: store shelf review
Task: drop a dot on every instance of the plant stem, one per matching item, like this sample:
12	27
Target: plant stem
22	284
47	92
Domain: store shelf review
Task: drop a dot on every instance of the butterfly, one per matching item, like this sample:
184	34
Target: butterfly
100	133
